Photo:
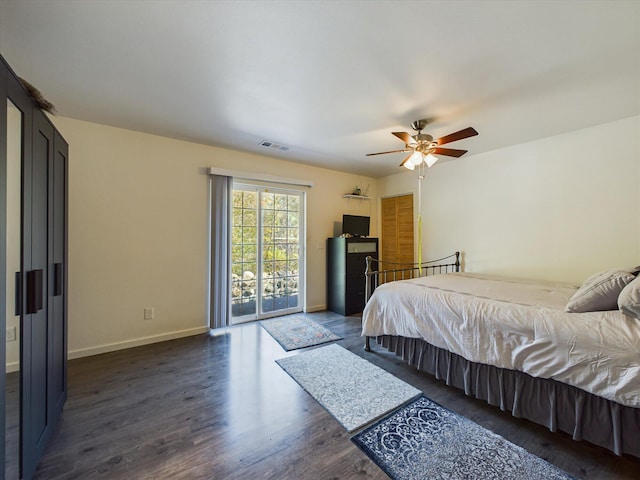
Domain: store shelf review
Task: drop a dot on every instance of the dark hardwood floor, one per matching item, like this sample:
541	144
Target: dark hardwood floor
219	407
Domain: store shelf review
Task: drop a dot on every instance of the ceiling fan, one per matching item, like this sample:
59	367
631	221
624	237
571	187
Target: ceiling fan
424	148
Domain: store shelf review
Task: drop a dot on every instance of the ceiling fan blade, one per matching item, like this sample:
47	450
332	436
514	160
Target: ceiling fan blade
404	136
449	152
383	153
454	137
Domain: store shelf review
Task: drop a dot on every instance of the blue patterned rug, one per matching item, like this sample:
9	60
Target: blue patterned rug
425	441
297	331
353	390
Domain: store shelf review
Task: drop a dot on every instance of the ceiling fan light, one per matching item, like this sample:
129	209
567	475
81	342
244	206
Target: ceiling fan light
408	165
416	158
430	159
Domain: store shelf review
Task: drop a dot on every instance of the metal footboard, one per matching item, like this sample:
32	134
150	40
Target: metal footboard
378	272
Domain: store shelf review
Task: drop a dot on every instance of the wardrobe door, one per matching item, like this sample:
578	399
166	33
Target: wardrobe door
3	253
36	411
57	275
19	463
18	128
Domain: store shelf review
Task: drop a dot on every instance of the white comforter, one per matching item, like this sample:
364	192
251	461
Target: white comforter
516	325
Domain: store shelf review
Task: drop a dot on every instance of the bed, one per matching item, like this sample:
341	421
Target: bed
511	343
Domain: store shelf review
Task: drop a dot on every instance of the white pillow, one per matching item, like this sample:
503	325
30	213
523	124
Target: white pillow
629	299
600	292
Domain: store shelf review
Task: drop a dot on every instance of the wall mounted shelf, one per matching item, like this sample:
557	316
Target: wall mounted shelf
359	197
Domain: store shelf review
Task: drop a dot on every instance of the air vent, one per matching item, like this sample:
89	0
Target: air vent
274	146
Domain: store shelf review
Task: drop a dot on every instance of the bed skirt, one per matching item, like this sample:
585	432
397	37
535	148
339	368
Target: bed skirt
544	401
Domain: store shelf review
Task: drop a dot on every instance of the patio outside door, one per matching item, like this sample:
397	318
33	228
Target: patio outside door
267	248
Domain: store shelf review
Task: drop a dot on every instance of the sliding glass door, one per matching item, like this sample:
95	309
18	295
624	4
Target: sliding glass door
267	248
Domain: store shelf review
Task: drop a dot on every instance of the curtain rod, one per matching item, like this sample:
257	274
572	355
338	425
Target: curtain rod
259	176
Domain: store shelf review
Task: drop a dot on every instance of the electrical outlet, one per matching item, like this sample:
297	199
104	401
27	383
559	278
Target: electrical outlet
11	334
148	313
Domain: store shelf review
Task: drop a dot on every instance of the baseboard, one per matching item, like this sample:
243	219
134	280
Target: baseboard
112	347
12	367
315	308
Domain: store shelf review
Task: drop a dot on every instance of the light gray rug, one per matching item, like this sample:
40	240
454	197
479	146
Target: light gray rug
297	331
353	390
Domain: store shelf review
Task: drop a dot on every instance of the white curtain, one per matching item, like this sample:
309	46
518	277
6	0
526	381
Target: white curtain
220	295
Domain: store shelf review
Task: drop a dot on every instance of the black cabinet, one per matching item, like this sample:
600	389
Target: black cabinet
346	262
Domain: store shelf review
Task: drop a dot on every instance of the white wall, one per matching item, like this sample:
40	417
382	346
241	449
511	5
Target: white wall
559	208
138	213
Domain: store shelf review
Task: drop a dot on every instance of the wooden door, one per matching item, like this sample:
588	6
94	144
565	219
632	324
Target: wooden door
397	229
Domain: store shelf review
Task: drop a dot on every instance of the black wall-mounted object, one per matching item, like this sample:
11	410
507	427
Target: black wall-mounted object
355	225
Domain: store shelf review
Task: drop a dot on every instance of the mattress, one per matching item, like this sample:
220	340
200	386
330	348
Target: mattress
514	324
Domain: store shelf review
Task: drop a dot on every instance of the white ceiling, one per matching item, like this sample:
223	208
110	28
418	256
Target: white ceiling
331	79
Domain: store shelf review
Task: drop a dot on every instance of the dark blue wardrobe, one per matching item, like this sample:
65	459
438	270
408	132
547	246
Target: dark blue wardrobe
36	304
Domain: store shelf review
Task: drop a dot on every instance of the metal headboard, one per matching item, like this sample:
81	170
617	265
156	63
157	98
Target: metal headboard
380	271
